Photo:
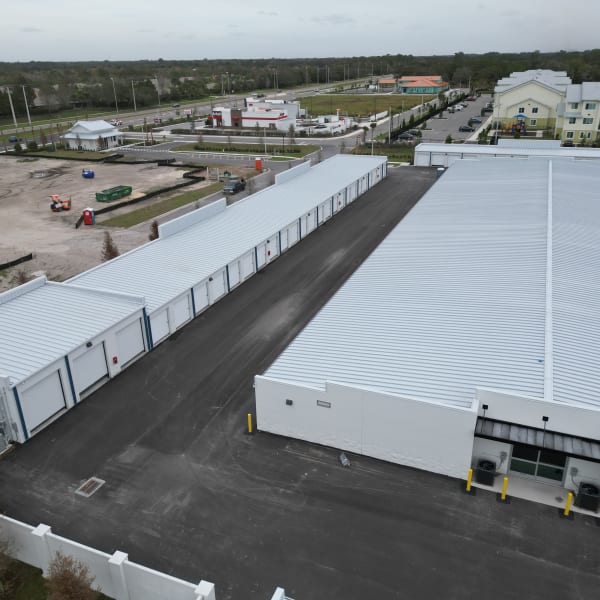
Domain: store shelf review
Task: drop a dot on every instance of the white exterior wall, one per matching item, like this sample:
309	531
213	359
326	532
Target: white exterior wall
587	472
492	450
503	406
410	432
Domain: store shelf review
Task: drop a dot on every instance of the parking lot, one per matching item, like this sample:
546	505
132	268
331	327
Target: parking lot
190	493
438	129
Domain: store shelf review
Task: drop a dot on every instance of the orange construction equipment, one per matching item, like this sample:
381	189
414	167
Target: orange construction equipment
58	204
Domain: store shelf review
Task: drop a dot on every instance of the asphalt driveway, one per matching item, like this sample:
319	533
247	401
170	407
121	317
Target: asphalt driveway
189	493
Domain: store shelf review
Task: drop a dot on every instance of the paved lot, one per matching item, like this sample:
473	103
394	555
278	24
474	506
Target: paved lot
189	493
439	129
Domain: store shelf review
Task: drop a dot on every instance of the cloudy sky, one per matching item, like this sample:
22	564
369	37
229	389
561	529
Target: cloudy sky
195	29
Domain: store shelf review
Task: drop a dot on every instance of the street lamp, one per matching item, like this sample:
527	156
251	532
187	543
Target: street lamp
115	94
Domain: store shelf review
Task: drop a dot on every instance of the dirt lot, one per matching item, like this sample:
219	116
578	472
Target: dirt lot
60	251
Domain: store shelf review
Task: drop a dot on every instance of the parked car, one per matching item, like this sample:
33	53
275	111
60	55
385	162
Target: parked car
414	132
568	144
406	137
471	98
466	128
474	120
233	186
116	122
13	139
175	105
458	107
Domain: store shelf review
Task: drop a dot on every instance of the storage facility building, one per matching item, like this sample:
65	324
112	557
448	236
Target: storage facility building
202	256
61	341
443	155
470	333
58	344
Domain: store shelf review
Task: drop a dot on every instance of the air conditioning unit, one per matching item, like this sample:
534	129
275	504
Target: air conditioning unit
485	472
588	496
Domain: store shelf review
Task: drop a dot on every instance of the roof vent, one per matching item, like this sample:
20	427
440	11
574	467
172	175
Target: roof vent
89	487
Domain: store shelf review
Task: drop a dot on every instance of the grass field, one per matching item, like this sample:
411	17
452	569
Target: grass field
360	105
297	150
159	208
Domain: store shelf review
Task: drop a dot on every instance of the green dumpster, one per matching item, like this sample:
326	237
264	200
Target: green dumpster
114	193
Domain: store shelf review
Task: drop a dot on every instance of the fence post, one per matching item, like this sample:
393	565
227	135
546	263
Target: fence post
42	548
117	574
205	591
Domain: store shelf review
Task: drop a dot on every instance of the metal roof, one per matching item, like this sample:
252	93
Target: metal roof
490	281
43	321
529	150
557	80
578	92
168	267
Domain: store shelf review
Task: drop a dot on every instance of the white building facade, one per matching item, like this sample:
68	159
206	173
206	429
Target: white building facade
92	135
470	333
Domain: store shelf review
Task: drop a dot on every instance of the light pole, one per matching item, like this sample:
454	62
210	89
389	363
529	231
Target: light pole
12	108
115	94
133	93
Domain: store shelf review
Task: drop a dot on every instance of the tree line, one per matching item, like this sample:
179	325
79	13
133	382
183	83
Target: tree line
48	87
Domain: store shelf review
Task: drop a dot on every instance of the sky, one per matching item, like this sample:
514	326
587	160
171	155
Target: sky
71	30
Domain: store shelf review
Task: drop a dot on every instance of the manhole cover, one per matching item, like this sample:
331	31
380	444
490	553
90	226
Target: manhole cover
89	487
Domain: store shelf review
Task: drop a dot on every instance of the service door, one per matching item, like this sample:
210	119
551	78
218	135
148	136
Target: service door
130	342
89	368
159	324
308	222
201	297
272	248
216	286
338	202
326	210
247	265
292	233
261	255
233	268
42	400
181	311
283	239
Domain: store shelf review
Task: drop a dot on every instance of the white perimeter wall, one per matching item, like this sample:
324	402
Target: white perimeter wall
400	430
115	574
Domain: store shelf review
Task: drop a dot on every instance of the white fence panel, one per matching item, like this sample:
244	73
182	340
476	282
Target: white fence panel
96	561
22	544
144	583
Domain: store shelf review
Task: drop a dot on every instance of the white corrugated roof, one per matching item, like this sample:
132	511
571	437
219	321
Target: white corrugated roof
168	267
455	297
43	321
579	92
530	149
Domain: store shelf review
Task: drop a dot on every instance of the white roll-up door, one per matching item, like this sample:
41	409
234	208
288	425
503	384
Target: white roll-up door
292	233
89	368
247	265
283	236
201	297
326	210
261	255
42	400
422	159
130	341
159	324
216	286
234	273
181	311
438	159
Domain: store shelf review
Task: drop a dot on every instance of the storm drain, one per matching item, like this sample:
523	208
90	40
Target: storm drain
89	487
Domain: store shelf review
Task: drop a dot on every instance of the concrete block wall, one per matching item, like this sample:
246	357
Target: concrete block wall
114	574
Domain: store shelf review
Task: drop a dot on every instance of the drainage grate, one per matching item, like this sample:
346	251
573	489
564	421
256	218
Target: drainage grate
89	487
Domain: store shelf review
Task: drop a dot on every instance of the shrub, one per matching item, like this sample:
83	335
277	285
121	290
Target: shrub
109	248
69	579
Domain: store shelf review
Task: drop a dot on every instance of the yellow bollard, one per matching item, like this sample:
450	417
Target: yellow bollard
568	504
249	422
504	486
469	479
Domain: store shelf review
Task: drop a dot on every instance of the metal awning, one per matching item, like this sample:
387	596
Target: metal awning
550	440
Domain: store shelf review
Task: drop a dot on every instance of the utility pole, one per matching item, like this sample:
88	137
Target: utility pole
12	108
115	95
26	106
133	92
390	127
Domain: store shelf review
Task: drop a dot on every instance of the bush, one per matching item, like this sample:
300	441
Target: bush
18	148
109	248
32	146
69	579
